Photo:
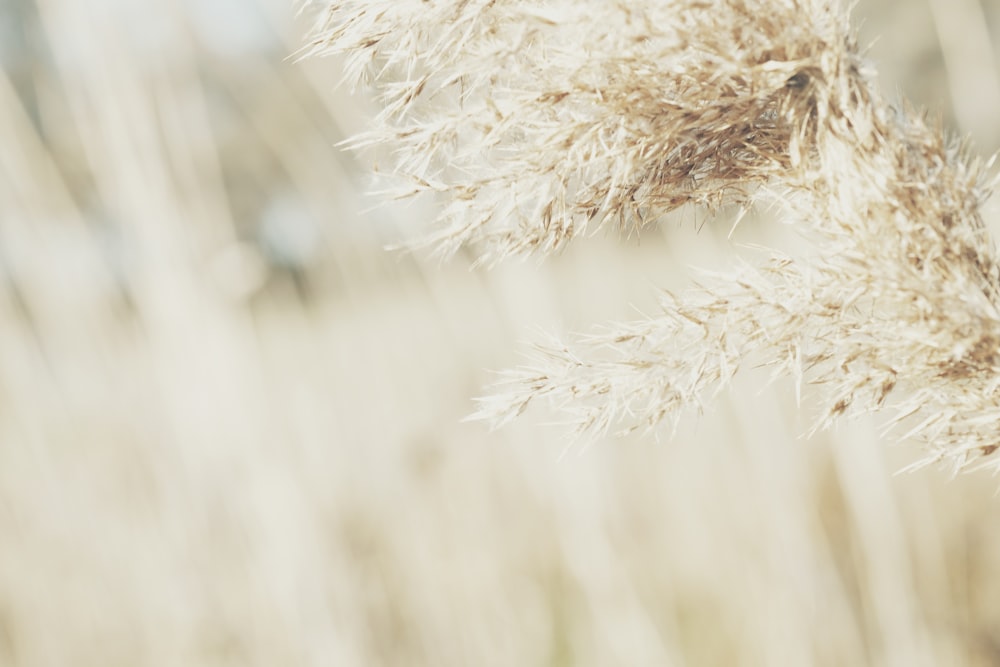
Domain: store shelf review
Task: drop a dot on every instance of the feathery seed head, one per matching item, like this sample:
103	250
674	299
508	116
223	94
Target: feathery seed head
534	121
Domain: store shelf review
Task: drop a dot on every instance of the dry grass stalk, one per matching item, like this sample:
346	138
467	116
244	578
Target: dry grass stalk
536	121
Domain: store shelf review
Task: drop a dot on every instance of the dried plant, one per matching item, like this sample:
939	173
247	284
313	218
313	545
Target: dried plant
535	121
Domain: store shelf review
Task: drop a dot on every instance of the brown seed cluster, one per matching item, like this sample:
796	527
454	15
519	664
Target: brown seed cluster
536	121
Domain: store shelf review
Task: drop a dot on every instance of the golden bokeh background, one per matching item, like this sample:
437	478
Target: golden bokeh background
231	422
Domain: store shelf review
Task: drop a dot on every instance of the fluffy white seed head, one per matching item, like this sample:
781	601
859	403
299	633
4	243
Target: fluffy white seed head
535	121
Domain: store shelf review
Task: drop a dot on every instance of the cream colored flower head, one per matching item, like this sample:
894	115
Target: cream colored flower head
533	121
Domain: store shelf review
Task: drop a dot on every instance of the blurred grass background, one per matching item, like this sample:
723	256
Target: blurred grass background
230	422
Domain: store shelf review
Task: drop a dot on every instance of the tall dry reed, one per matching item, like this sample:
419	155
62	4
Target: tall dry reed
534	122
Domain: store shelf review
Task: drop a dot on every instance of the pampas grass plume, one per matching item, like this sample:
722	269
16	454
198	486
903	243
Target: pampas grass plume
534	122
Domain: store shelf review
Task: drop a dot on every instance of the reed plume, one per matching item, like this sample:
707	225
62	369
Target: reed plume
534	122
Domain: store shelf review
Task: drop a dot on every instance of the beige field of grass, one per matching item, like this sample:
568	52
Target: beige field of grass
231	422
